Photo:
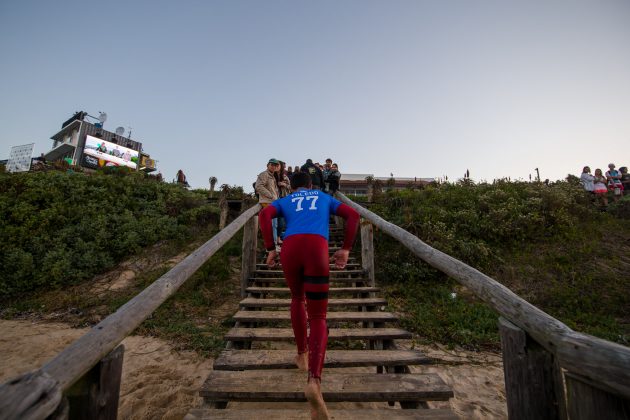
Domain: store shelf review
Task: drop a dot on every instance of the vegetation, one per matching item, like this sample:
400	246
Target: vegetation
61	228
549	244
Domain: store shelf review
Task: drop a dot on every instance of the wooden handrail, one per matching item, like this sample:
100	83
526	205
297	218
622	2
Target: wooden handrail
78	358
602	361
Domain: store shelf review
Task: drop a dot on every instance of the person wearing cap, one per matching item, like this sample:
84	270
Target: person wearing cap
267	188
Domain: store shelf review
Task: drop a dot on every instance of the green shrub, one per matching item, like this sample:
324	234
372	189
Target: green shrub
60	228
554	240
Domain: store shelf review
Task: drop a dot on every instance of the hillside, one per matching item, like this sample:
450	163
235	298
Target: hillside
549	244
61	228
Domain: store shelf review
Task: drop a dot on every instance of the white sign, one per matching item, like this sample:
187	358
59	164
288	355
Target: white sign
20	159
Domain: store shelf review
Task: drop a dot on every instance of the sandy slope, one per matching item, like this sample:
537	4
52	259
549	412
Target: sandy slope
160	383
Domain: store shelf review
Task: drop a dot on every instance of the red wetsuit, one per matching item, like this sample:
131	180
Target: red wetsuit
305	264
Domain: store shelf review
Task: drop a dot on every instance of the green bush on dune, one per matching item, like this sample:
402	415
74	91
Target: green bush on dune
61	228
549	244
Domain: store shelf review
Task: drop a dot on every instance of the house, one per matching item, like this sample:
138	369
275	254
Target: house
356	184
83	143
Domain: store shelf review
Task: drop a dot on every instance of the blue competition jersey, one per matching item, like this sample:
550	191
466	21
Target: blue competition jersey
307	211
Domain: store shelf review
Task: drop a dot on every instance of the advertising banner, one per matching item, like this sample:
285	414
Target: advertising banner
99	153
20	158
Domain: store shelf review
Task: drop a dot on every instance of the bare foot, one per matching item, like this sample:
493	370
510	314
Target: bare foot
301	360
313	394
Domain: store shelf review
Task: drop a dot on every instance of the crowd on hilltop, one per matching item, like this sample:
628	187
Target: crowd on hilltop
613	181
275	182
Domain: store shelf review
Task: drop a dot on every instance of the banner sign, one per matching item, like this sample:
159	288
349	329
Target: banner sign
99	153
20	159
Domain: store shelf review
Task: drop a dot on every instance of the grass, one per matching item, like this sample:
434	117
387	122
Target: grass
195	318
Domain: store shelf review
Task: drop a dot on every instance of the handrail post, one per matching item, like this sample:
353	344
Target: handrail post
96	394
588	400
367	251
248	261
529	376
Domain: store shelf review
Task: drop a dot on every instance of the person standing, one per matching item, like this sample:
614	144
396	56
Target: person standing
625	179
317	178
600	189
326	172
267	188
614	181
284	189
587	180
305	265
333	179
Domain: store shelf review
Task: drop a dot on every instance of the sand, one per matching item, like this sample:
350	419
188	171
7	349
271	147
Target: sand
159	382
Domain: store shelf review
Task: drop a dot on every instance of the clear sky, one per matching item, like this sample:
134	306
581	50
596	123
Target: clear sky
413	88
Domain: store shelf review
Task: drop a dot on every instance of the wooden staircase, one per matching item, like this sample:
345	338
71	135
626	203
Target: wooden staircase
362	365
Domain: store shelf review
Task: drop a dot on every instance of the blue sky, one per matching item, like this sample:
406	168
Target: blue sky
414	88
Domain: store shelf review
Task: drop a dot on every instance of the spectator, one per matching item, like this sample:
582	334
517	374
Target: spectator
325	172
587	179
614	181
625	179
284	189
267	189
600	189
333	179
296	169
316	174
290	172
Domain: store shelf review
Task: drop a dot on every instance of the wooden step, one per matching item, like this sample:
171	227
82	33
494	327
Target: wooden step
332	266
304	414
282	280
284	359
332	290
288	385
264	316
333	273
281	303
286	334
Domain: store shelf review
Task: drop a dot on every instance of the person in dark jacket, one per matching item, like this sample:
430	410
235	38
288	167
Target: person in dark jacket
316	174
333	179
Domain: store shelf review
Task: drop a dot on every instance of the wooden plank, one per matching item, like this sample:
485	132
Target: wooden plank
332	273
288	385
78	358
95	396
528	372
296	414
258	316
280	303
331	266
284	359
286	334
600	360
282	280
587	401
332	290
367	251
248	259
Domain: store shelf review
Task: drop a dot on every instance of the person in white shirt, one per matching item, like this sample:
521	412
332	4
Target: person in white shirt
587	180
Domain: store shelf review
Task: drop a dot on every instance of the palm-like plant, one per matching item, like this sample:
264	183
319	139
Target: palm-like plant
213	182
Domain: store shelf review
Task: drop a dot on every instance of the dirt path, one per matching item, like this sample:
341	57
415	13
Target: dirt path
159	382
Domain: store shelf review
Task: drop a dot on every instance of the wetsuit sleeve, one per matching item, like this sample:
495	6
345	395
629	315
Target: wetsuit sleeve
264	219
352	223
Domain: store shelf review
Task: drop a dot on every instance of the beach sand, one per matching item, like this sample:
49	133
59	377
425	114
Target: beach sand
159	382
